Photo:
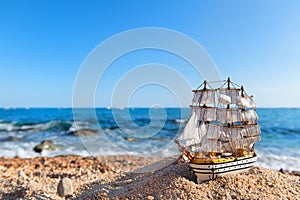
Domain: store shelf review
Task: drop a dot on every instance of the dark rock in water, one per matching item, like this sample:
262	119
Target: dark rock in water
11	139
130	139
283	171
295	173
66	155
65	187
83	132
44	145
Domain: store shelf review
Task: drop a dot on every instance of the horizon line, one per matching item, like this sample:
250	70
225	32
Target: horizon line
121	107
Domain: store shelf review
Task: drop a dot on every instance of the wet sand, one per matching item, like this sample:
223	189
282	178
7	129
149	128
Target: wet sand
116	177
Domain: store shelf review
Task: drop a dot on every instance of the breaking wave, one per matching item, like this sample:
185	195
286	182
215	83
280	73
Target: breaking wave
50	126
278	161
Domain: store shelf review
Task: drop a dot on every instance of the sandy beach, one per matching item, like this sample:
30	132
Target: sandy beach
115	177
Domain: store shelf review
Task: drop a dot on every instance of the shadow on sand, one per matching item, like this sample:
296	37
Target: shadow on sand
138	183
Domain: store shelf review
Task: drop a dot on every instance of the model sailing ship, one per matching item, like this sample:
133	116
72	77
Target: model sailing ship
221	132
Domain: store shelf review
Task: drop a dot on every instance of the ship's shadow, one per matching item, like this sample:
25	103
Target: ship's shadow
141	179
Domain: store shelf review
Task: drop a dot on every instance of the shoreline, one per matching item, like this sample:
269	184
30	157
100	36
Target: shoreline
118	177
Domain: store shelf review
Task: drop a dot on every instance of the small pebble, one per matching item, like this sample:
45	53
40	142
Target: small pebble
65	187
150	197
22	174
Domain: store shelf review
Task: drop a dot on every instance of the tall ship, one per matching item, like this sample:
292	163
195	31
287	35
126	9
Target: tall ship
222	129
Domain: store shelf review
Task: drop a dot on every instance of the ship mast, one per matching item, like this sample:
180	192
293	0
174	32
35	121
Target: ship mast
204	89
228	83
228	87
242	91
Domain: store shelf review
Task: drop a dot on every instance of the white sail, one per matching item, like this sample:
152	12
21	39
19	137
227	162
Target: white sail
233	94
198	135
204	97
231	146
212	131
251	130
233	133
190	142
240	144
190	128
196	98
253	140
201	132
249	142
228	115
247	102
223	135
206	114
211	146
249	115
224	99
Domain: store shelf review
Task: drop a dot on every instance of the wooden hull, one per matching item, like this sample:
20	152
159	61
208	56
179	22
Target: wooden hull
205	172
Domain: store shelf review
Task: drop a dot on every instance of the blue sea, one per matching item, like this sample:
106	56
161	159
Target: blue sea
135	131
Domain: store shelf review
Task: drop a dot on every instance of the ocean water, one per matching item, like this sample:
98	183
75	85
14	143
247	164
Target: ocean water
135	131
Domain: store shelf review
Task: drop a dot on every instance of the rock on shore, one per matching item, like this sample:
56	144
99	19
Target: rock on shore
113	178
65	188
44	145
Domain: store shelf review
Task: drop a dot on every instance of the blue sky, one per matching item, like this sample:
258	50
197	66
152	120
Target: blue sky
43	44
